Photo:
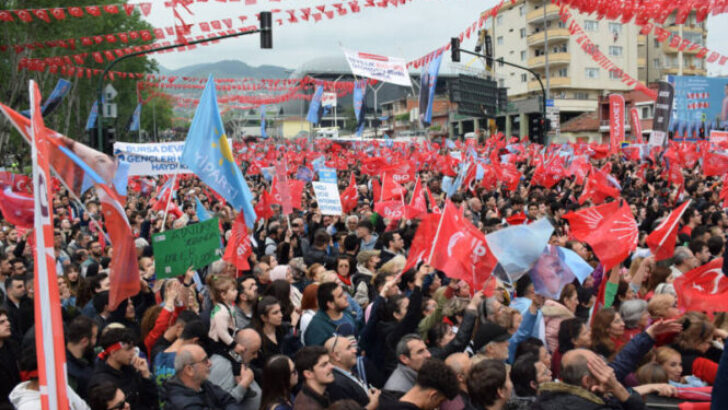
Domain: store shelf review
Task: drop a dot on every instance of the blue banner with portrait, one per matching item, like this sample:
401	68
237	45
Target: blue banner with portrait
428	81
699	100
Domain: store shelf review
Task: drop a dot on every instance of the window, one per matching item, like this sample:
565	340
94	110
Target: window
591	73
521	11
523	33
501	83
523	55
581	96
614	75
645	112
591	25
500	40
656	63
562	73
615	51
657	43
524	78
499	20
615	28
561	24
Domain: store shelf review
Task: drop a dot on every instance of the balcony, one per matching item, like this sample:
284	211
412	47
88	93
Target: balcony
554	82
672	50
555	34
687	70
554	59
537	15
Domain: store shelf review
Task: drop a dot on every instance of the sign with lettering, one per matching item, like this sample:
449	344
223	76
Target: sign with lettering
160	158
327	196
195	245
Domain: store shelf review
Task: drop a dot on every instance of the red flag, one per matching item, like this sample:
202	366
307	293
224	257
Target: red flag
417	205
597	192
390	189
616	122
610	229
714	164
49	342
17	208
509	175
662	240
636	125
704	288
349	196
239	248
422	241
282	189
434	208
262	208
124	278
401	173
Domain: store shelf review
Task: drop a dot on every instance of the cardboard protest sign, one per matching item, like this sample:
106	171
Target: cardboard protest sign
195	245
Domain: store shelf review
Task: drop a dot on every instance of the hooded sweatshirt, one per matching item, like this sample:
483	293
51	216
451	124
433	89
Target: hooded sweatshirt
26	399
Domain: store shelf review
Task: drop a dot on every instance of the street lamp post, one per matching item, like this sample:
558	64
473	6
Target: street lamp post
266	41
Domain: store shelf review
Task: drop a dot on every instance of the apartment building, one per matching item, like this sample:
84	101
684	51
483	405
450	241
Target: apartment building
530	33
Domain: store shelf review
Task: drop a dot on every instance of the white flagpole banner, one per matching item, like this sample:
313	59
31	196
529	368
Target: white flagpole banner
387	69
153	158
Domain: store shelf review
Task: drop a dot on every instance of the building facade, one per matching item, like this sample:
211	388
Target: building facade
530	33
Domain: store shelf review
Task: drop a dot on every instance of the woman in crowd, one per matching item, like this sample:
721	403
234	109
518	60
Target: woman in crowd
607	332
279	379
277	336
555	312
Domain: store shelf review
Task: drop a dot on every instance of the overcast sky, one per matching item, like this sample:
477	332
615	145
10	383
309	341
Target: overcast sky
408	31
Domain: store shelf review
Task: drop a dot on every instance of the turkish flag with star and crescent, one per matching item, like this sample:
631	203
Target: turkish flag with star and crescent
704	288
662	240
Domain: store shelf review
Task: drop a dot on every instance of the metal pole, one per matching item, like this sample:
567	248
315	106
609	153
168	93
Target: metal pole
546	49
100	92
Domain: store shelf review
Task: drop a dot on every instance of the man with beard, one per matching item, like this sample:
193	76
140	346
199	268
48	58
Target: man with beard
95	254
247	298
332	315
314	365
80	341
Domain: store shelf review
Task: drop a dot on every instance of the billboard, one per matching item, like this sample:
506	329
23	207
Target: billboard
698	100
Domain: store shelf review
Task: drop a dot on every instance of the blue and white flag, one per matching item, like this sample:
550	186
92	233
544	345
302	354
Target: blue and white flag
202	213
515	253
208	154
428	81
135	118
314	109
92	116
263	134
360	92
53	100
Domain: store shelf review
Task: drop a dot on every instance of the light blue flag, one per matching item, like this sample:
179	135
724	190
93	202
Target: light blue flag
556	268
578	266
518	247
208	155
91	120
453	186
263	134
135	118
202	213
314	109
360	90
427	90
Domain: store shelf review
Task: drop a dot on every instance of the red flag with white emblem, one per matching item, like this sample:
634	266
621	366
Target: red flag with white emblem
704	288
610	229
662	240
239	248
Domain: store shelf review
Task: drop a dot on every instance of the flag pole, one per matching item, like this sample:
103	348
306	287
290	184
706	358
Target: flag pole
169	199
437	234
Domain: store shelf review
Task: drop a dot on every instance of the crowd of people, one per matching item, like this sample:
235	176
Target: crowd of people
327	318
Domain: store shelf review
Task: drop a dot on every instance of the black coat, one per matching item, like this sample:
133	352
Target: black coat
564	396
9	370
80	372
344	388
177	396
141	393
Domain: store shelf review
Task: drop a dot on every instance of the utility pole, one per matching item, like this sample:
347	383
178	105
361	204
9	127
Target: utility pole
546	49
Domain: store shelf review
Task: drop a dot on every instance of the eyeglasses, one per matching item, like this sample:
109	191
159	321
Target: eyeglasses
119	406
205	360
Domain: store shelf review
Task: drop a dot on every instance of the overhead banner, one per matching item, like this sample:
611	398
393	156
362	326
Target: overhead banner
154	158
663	111
387	69
616	122
328	100
194	246
160	158
428	81
327	196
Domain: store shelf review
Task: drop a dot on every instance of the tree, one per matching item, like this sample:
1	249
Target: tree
70	117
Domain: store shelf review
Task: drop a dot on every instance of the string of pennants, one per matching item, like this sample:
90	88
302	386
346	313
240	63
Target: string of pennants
593	51
644	11
60	13
259	84
122	37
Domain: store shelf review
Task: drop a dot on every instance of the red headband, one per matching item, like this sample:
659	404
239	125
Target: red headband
27	375
109	350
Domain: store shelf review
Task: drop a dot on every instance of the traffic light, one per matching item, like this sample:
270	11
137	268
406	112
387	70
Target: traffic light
266	30
455	49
